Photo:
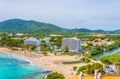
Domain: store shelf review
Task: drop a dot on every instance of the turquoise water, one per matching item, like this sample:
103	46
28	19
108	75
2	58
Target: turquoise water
98	57
14	68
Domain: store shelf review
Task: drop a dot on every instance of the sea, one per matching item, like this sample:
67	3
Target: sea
15	68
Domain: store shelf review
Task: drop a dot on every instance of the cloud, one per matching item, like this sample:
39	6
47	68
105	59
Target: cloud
66	13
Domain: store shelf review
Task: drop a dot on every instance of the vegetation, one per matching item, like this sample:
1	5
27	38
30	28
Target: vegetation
69	53
113	37
96	50
101	49
55	76
18	25
14	44
74	68
85	60
111	59
7	41
110	47
89	69
89	49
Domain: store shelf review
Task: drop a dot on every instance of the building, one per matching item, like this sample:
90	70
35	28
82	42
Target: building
73	44
47	40
34	41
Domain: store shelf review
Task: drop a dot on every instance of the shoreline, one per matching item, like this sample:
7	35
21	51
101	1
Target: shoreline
46	62
15	55
26	58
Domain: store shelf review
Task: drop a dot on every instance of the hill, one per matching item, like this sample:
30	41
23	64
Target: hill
18	25
30	26
84	30
116	31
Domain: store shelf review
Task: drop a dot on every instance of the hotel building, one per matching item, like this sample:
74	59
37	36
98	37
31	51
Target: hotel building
73	44
34	41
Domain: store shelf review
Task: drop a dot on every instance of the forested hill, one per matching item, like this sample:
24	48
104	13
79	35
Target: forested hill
18	25
30	26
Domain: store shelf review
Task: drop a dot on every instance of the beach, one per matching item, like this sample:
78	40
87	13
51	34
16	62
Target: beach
51	62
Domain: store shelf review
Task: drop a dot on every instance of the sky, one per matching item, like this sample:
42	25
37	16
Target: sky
90	14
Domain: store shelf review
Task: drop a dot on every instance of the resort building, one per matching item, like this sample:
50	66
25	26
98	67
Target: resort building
47	40
34	41
73	44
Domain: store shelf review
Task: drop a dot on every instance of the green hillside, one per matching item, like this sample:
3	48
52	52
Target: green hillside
18	25
30	26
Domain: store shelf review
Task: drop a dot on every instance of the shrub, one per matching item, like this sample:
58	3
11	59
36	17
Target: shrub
74	68
55	76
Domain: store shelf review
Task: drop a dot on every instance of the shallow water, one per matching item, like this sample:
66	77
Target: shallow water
15	68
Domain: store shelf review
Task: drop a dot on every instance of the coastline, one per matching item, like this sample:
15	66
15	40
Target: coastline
46	62
9	52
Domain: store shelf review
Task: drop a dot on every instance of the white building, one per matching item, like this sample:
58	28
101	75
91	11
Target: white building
73	44
47	40
34	41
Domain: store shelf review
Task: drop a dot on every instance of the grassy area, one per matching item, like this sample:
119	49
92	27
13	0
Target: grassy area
111	59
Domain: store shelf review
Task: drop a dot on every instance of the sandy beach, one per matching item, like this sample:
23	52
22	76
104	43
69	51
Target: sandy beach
52	63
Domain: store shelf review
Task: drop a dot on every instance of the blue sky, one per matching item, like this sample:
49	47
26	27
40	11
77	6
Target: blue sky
91	14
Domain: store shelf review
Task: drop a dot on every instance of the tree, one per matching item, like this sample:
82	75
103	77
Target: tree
9	42
74	68
89	69
43	47
66	49
55	76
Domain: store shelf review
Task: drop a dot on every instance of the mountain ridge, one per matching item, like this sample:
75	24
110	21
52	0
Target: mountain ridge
31	26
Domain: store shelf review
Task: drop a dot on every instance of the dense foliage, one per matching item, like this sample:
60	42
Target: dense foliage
8	42
15	44
18	25
111	59
55	76
101	49
114	37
